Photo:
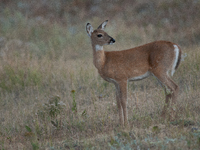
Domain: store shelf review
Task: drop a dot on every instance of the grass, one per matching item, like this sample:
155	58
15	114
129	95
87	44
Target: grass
51	95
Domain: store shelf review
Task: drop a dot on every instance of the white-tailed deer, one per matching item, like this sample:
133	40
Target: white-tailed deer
119	67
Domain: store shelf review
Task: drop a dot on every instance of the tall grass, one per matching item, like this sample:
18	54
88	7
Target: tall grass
51	96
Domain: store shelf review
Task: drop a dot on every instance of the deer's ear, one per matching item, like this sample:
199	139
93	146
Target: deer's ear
103	25
89	29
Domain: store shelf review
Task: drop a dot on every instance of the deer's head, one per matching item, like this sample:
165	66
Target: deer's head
99	36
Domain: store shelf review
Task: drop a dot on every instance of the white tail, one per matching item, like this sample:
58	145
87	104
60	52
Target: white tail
119	67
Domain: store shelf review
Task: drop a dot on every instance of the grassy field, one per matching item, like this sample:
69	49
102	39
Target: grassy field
51	96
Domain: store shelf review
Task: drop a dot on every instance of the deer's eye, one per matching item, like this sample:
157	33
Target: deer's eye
99	35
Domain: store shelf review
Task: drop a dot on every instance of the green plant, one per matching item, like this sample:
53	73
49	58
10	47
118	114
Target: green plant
74	106
51	109
35	146
54	106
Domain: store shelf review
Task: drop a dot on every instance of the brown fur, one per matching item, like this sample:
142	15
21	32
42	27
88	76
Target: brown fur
118	67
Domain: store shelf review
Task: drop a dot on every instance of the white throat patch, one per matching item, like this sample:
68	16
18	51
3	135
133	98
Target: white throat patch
98	48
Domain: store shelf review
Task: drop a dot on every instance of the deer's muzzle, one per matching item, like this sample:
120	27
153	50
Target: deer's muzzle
112	41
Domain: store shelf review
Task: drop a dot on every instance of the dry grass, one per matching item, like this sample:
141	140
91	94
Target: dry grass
51	96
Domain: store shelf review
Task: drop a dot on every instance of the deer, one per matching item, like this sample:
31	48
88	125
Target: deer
158	59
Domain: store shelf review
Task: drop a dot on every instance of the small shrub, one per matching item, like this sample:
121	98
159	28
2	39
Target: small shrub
53	107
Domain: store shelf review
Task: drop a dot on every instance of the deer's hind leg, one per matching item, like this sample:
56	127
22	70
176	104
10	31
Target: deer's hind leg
171	93
171	97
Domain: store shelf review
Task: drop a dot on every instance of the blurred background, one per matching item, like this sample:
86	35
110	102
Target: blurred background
131	22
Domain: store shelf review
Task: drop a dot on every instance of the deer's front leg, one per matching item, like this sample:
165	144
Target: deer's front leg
123	100
121	119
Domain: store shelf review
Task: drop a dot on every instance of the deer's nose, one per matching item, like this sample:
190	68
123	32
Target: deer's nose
112	40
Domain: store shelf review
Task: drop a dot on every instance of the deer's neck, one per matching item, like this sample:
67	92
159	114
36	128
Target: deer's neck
98	56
